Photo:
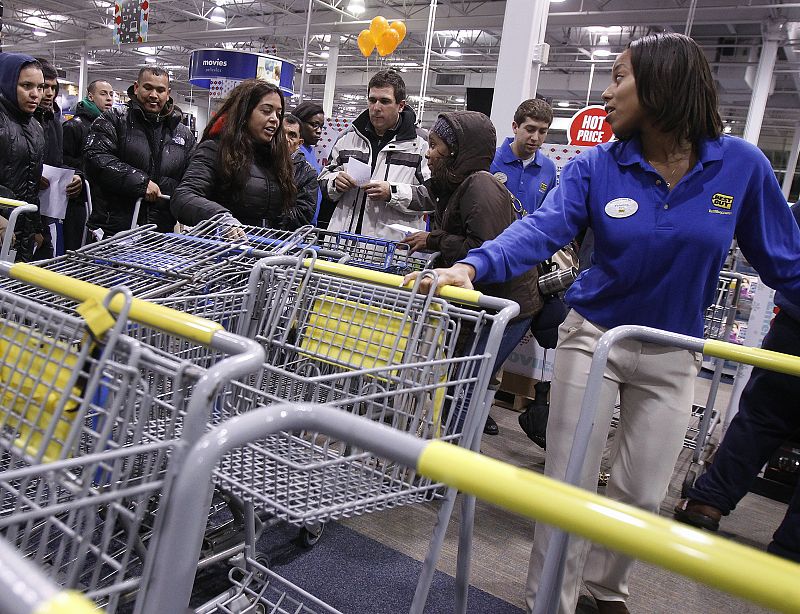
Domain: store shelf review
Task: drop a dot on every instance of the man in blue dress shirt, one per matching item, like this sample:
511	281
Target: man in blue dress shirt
519	164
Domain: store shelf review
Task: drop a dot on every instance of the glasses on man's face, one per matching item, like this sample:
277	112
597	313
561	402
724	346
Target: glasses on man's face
315	125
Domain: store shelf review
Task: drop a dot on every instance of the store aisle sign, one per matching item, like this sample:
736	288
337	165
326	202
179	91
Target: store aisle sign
588	127
209	66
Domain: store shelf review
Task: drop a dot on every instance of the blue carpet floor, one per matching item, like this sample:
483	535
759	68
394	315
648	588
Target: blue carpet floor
354	574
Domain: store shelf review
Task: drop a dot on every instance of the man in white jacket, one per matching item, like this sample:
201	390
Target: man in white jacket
385	138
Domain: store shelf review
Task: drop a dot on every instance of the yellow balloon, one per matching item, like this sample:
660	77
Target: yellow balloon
366	43
388	42
400	28
378	26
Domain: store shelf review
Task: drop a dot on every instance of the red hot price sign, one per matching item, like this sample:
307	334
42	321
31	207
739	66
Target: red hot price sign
588	127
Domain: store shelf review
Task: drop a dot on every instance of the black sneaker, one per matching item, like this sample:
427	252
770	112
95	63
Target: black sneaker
490	428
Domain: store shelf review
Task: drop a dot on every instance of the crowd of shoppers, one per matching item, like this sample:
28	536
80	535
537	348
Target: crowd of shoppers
650	199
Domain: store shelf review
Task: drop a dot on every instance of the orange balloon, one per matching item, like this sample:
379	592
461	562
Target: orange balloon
400	28
388	42
378	26
366	43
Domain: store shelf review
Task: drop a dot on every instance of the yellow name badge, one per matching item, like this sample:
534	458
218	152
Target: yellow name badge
543	187
723	201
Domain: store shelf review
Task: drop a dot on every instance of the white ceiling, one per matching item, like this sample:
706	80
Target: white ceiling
730	32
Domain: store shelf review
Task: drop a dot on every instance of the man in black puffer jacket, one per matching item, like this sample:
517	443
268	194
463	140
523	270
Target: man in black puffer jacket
22	143
99	98
138	152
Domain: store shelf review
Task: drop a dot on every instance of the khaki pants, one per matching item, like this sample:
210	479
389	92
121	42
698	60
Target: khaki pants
656	388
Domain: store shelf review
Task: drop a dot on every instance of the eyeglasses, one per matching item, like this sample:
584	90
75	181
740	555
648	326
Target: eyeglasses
315	125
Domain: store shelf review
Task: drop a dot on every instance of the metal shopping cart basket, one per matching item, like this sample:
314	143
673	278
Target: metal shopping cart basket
355	339
742	571
17	208
372	252
717	324
89	419
549	587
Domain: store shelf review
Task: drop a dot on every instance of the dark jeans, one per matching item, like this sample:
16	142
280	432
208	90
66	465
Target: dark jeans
769	413
512	335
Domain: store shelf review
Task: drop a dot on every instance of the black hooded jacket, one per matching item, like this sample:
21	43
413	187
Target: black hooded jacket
22	147
260	201
125	150
473	207
76	131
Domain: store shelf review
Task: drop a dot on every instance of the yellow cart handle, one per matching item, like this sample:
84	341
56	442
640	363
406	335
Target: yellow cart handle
10	202
727	565
460	295
160	317
766	359
67	602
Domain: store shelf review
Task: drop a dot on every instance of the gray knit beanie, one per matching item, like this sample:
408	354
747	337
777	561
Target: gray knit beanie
444	130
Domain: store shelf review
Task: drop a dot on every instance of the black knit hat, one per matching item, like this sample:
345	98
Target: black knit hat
306	110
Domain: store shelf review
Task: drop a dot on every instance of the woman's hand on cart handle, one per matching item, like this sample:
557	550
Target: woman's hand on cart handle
459	275
416	241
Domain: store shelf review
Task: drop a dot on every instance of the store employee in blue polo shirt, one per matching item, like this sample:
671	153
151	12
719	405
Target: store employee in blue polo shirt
519	164
664	202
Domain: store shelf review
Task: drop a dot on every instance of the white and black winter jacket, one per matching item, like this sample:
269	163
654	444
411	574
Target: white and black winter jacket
401	162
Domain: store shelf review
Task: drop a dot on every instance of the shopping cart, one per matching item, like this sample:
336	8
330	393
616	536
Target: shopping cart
717	324
372	252
24	589
89	421
719	320
354	338
550	582
18	207
742	571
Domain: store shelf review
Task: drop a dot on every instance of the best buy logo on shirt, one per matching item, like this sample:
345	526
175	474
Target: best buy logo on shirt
723	201
543	187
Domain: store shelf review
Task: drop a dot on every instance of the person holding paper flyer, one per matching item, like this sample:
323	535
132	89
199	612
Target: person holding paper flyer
384	138
22	143
53	203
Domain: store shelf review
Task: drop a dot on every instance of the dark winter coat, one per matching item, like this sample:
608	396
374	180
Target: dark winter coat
126	150
76	131
22	152
53	135
473	207
260	203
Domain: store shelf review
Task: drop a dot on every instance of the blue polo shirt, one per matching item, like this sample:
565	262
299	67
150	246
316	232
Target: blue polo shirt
529	184
312	160
657	253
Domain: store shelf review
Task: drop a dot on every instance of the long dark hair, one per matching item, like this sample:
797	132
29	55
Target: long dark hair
675	86
236	148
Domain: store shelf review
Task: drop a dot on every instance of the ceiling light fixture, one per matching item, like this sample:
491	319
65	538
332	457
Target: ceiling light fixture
603	50
40	33
151	60
356	7
217	15
453	50
562	103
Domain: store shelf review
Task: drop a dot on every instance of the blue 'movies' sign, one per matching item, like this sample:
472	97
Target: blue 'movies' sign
208	64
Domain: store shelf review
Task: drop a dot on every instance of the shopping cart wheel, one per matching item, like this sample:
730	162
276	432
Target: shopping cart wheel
309	536
688	482
263	560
